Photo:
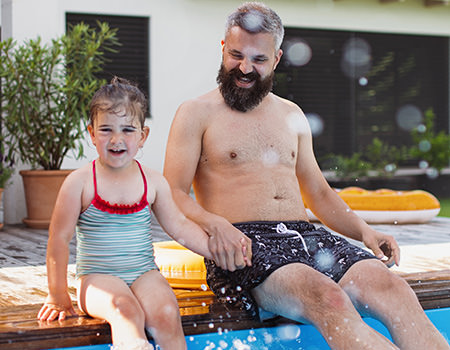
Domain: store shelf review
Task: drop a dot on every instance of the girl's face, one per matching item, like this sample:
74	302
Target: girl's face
117	138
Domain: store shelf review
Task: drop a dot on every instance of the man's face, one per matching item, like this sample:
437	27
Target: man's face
246	74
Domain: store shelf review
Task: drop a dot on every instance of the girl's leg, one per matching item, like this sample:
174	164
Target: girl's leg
162	315
109	298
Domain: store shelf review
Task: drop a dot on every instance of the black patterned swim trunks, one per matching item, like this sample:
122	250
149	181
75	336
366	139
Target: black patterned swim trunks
275	244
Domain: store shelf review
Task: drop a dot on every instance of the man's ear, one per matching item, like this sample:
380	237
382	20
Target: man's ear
222	43
278	58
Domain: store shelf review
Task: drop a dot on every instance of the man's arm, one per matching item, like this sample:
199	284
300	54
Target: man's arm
330	208
230	248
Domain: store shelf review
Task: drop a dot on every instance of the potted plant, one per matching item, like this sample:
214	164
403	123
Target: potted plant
45	94
372	169
6	169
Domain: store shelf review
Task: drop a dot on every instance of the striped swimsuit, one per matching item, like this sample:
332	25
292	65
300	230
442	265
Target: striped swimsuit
115	239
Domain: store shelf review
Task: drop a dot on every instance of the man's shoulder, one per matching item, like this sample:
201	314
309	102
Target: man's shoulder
205	101
200	108
281	101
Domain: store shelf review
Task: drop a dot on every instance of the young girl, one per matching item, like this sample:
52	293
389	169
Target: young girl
108	202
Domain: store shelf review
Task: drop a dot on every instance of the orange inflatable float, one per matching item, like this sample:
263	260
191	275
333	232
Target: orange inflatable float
181	267
385	206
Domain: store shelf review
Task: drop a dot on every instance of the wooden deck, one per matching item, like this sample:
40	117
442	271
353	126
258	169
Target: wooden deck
425	265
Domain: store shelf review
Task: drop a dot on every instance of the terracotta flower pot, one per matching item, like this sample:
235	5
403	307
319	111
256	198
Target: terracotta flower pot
41	189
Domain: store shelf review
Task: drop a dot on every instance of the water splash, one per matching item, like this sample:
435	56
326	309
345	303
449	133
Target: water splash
289	332
239	345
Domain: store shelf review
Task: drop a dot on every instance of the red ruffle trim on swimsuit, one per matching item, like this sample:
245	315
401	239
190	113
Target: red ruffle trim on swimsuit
123	209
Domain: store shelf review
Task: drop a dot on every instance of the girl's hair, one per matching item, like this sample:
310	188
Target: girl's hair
255	17
119	96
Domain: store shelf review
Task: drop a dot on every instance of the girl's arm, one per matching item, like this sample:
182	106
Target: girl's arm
173	221
58	303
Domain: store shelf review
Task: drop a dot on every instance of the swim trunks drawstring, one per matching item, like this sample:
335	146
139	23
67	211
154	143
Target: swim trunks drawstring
281	228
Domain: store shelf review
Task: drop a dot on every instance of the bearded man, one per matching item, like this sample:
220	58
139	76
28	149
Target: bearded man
248	154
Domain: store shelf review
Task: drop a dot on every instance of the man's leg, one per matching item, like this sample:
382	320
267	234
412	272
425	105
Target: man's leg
380	293
298	292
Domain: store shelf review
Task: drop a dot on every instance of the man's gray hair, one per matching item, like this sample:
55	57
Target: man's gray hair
255	17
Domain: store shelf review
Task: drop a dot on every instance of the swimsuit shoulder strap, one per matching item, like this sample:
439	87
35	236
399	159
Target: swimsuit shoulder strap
95	178
144	179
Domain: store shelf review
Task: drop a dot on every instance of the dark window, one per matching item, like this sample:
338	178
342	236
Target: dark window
132	60
361	85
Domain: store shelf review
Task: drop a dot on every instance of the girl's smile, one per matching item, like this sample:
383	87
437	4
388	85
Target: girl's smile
117	138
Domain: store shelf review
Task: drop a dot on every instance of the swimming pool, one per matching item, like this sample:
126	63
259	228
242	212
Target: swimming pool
289	336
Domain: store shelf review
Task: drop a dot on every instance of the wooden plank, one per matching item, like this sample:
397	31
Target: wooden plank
201	313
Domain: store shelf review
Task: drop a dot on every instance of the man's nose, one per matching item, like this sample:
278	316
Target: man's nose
246	66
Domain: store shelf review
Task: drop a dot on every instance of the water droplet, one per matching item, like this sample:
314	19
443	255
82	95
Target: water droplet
270	158
325	259
363	81
423	164
408	117
315	123
298	52
251	338
268	338
252	21
424	145
356	58
421	128
432	173
390	168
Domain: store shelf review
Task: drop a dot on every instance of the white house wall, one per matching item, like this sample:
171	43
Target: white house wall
185	47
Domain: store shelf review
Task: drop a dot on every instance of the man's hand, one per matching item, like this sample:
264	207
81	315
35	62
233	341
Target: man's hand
384	247
56	308
230	248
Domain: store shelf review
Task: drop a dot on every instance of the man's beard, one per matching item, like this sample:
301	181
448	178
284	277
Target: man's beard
243	99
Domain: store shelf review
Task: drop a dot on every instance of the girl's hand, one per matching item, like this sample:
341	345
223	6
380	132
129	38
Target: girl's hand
56	308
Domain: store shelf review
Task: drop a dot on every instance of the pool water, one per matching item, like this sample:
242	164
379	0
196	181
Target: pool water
290	336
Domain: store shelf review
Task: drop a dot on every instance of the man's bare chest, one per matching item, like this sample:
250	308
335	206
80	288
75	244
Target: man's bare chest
243	142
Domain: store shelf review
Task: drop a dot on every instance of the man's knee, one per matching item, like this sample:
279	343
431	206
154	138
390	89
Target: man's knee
331	298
